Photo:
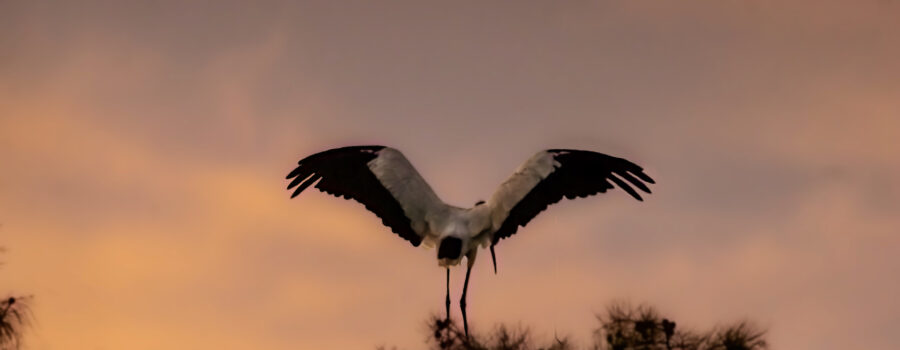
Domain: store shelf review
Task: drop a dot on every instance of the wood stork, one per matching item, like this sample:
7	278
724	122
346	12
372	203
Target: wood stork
383	180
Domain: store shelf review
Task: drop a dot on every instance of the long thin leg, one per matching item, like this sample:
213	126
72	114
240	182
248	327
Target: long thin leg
462	302
447	302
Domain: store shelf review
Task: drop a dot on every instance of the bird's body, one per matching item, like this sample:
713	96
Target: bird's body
471	226
384	181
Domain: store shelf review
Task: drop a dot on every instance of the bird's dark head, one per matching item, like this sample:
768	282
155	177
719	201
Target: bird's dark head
450	248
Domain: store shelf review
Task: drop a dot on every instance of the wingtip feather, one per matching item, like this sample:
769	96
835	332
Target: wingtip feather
306	183
292	174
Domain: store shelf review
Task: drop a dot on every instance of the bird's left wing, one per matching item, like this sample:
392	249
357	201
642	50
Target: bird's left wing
550	175
380	178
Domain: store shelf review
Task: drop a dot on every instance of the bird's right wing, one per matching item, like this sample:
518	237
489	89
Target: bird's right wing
548	176
380	178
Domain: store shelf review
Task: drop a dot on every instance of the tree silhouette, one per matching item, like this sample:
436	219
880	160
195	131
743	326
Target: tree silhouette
622	327
13	318
447	335
642	328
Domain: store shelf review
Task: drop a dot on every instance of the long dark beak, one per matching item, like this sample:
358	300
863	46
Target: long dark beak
494	259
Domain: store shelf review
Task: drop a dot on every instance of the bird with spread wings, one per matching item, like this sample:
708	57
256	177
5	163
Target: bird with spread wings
385	182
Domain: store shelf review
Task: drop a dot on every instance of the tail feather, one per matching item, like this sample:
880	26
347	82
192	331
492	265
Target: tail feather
494	259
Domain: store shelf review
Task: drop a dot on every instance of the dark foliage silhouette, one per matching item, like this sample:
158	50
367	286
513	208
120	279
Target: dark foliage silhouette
642	328
13	318
622	327
447	335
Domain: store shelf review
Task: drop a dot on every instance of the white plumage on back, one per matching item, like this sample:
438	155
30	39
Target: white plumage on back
402	180
511	191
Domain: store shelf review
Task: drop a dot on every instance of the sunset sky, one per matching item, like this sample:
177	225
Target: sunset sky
143	150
